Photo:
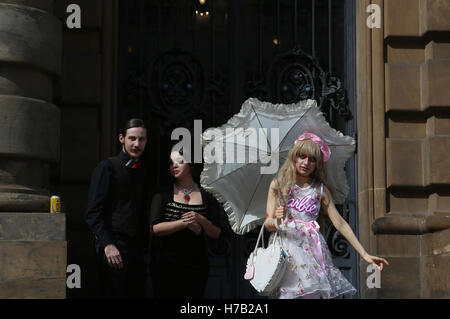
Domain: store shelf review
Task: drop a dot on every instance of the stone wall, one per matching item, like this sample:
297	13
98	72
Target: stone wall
408	128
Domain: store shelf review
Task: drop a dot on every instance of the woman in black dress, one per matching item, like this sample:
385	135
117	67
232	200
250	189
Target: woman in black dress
184	219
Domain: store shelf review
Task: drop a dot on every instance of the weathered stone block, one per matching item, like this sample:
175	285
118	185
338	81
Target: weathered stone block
29	128
407	53
14	201
439	160
404	162
30	37
417	17
398	245
401	279
437	243
32	226
436	264
402	127
419	265
437	77
408	24
436	15
436	277
35	269
438	126
408	203
403	87
442	202
437	50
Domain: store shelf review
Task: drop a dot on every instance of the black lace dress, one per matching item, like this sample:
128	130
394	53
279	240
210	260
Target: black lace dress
179	261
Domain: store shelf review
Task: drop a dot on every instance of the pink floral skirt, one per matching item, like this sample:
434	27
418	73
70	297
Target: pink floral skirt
306	273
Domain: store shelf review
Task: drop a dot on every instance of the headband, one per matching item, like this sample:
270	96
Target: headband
326	152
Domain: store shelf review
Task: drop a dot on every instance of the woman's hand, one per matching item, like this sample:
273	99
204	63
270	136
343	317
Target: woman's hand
192	217
210	229
280	212
377	261
273	223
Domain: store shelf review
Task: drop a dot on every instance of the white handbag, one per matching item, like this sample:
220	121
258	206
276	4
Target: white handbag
266	266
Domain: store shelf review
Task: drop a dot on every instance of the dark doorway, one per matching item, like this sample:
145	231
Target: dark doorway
186	60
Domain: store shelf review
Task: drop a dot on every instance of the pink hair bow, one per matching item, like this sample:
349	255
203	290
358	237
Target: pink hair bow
326	152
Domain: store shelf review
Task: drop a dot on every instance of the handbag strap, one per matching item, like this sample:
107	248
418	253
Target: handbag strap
260	236
261	232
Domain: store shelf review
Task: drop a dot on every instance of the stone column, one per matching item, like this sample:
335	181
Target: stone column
30	57
32	242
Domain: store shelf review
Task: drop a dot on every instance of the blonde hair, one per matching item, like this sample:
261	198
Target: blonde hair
288	172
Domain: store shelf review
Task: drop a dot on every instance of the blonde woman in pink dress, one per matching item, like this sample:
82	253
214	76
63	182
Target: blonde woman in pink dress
302	183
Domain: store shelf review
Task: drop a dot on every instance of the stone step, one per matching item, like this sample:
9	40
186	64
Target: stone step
32	227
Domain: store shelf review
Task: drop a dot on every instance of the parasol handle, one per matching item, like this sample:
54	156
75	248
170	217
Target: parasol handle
279	193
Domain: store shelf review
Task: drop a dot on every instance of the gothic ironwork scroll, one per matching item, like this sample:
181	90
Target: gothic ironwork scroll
294	76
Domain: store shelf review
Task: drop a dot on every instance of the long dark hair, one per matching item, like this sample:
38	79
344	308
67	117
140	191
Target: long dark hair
131	123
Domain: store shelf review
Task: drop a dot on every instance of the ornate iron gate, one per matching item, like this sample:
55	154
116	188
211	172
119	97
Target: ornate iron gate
201	59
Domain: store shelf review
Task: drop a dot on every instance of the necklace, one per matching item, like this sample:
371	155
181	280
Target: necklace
186	192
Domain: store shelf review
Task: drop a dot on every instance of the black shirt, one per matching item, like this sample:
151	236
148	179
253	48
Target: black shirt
117	201
184	248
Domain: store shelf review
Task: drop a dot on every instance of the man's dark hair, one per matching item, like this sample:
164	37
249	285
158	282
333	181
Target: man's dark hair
132	123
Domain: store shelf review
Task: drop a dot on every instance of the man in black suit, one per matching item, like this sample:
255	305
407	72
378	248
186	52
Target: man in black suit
116	215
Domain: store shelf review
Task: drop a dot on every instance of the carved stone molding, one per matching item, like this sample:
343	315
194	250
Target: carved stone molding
410	225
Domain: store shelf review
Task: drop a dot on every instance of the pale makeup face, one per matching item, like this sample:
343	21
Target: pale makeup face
178	167
305	165
133	143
